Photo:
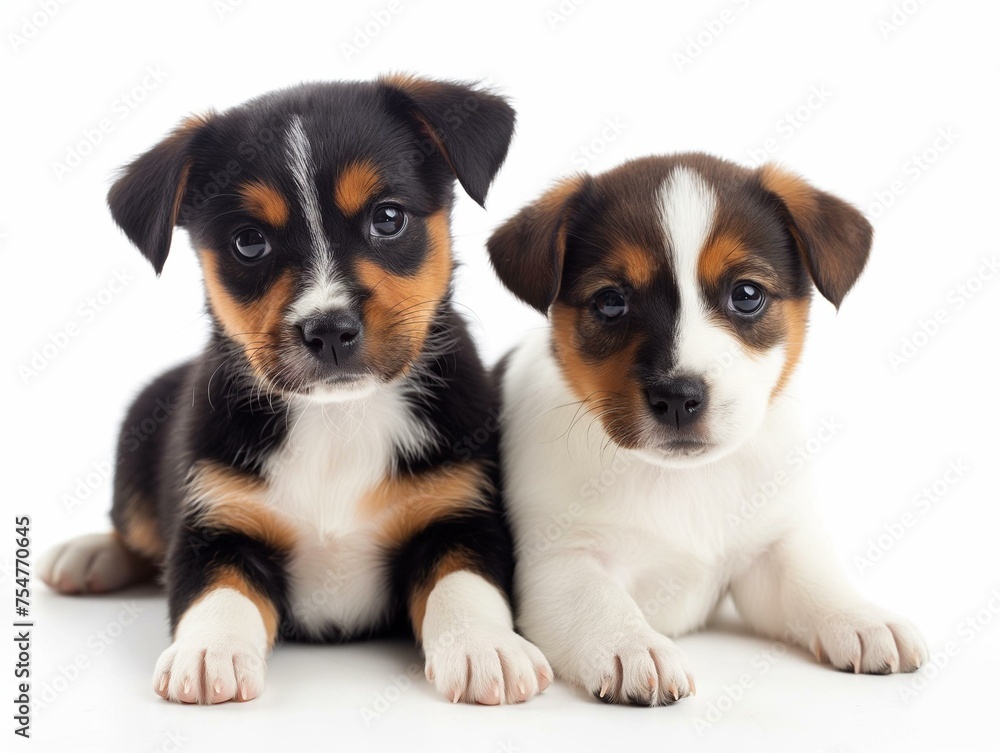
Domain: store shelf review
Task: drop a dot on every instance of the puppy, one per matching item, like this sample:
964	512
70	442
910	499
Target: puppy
313	478
677	290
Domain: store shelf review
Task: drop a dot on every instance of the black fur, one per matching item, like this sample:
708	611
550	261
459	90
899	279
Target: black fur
198	552
212	410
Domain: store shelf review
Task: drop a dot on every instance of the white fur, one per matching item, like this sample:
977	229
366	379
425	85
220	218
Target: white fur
325	290
218	654
323	293
704	349
618	549
688	206
300	165
472	651
334	454
93	563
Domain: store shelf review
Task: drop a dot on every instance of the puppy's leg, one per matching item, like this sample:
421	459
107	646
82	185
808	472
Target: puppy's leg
795	592
227	585
225	615
96	563
455	572
595	634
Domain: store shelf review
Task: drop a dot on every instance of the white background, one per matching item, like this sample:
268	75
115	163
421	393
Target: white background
888	91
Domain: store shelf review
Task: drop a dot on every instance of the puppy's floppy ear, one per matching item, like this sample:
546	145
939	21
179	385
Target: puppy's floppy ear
528	250
146	198
471	128
833	237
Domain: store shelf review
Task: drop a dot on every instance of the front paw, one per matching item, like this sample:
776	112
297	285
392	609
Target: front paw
868	641
486	665
210	671
641	668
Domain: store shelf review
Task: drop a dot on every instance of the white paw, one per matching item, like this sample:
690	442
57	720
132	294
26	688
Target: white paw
210	671
95	563
868	641
486	665
642	668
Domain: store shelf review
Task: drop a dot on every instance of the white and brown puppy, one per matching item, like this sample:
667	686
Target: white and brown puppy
678	291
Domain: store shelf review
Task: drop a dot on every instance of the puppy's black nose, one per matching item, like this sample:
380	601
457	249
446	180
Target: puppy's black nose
333	337
676	402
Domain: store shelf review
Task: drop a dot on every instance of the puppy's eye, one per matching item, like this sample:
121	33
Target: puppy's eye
610	304
249	244
746	298
387	220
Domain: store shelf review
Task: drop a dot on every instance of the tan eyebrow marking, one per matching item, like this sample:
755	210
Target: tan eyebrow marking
265	202
357	183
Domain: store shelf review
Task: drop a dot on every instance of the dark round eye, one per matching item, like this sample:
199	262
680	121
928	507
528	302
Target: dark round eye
250	244
610	303
746	298
387	220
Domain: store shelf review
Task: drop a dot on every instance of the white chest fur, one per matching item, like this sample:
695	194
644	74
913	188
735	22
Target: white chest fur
333	455
673	538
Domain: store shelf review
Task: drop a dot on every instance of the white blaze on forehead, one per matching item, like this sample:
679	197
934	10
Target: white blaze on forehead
301	167
324	291
688	205
739	383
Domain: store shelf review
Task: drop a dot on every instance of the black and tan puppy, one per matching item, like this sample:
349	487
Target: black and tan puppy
313	480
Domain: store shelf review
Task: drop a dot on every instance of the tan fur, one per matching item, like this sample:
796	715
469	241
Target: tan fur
799	196
140	533
408	83
721	253
255	325
638	265
605	387
795	313
403	505
399	310
265	202
226	498
358	183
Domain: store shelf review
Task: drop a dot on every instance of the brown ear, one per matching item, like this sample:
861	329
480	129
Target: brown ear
833	237
527	251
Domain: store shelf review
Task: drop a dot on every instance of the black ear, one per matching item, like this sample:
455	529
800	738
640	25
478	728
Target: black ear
528	250
833	237
471	128
146	198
